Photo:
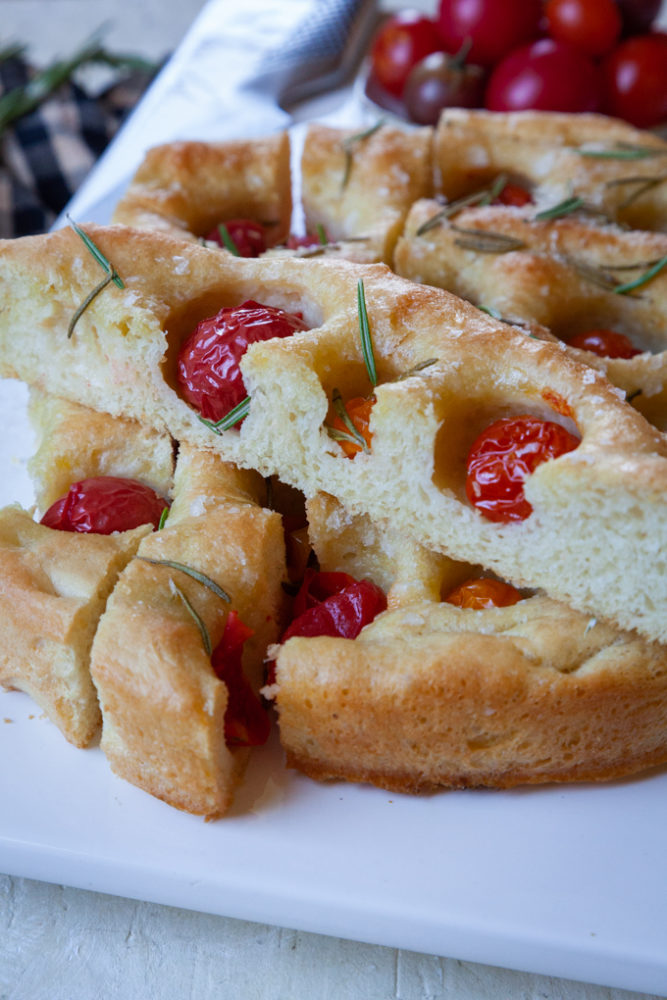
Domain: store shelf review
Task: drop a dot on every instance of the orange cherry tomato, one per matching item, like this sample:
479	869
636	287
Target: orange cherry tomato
605	343
358	410
484	592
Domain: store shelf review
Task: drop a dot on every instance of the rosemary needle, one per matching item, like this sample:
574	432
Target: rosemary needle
349	145
189	571
199	622
643	278
227	240
365	334
230	419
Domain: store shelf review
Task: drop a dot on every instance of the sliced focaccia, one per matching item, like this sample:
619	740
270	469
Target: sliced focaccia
566	274
431	694
166	727
444	371
358	186
189	188
616	169
54	584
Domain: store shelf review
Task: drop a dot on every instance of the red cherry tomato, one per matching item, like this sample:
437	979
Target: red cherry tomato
402	41
208	363
359	411
334	604
547	76
484	592
634	80
307	240
493	26
104	504
503	456
245	238
246	722
514	194
605	343
594	26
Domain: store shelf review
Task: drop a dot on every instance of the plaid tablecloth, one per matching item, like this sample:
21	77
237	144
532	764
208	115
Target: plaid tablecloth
46	154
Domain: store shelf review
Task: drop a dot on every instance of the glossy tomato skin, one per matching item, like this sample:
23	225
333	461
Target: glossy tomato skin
247	236
605	343
400	43
545	76
246	721
634	78
495	27
359	410
594	26
502	458
482	593
101	505
334	604
438	82
208	372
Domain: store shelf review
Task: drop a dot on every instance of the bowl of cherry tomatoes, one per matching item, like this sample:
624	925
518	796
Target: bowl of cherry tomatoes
605	56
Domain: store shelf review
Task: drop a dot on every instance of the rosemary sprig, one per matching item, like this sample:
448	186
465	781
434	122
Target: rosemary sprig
198	620
565	207
622	151
486	241
642	185
163	519
353	435
365	334
231	419
189	571
482	197
643	279
227	239
416	369
321	234
590	273
349	146
111	275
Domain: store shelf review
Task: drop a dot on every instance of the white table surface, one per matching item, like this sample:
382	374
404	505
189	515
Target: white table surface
61	943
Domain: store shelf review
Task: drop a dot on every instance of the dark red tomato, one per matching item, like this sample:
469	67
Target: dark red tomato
307	240
634	79
494	27
547	76
104	504
401	42
484	592
514	194
334	604
638	15
246	722
442	81
605	343
245	238
503	456
594	26
208	364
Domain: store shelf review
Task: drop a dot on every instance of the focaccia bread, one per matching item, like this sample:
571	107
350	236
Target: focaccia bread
432	695
561	273
617	169
188	188
596	508
54	584
162	704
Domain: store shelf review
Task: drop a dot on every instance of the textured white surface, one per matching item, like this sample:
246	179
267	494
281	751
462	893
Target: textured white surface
68	944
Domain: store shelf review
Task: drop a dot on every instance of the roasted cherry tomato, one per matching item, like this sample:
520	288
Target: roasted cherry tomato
594	26
484	592
358	410
634	79
514	194
208	364
246	722
546	76
400	43
605	343
104	504
503	456
242	237
334	604
494	27
307	240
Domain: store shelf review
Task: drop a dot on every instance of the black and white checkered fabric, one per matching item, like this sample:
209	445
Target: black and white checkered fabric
46	154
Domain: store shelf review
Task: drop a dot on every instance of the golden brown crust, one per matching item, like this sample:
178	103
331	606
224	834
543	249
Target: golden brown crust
162	705
543	150
188	188
561	275
596	508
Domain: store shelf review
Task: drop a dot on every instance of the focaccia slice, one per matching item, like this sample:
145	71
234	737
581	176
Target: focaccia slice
162	704
563	273
188	188
597	508
617	169
430	695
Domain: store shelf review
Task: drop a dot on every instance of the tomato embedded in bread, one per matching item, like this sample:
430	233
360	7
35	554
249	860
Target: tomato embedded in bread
605	343
103	504
246	721
484	592
503	456
242	237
